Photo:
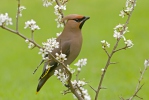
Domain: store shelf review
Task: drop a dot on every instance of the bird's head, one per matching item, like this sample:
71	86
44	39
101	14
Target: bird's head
75	20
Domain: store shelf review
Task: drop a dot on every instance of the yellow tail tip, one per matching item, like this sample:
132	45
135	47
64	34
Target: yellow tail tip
36	92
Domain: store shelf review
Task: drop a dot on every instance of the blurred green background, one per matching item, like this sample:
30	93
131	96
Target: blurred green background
17	62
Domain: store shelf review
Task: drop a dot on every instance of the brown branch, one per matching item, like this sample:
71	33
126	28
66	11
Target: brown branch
73	90
106	51
60	11
138	87
21	35
92	88
111	54
17	16
124	48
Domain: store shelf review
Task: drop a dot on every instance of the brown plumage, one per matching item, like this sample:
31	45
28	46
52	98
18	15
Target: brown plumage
70	42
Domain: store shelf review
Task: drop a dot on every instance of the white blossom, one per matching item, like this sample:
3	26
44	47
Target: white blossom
58	14
119	31
78	69
21	8
27	41
129	5
5	19
105	44
50	44
30	45
81	62
48	47
102	69
32	25
61	76
63	7
47	3
128	8
80	90
122	13
43	52
146	63
129	43
61	57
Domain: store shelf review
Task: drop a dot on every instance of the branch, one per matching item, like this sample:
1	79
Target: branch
111	54
21	35
106	51
60	11
17	16
124	48
69	79
138	87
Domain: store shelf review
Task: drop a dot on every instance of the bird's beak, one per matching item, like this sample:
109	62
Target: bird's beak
83	21
86	18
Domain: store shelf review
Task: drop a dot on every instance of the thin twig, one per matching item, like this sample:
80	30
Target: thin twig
92	88
32	35
111	54
38	66
106	51
124	48
138	87
17	16
21	35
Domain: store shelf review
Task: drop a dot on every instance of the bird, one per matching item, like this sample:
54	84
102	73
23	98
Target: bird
70	44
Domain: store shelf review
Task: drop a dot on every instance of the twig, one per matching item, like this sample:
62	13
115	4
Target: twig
106	51
32	35
21	35
17	16
73	90
138	87
120	49
121	98
60	11
92	88
38	66
111	54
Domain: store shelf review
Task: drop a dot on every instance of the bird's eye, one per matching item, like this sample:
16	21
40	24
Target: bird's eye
77	20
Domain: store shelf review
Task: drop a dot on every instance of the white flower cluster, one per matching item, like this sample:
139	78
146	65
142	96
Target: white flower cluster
128	8
81	91
30	44
119	31
80	64
61	76
48	46
128	43
21	8
47	3
61	57
5	19
57	11
32	25
146	63
105	44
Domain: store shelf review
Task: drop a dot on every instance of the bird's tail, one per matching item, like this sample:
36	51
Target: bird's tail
41	83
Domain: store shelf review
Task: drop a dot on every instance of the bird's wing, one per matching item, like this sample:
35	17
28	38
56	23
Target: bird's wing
65	49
